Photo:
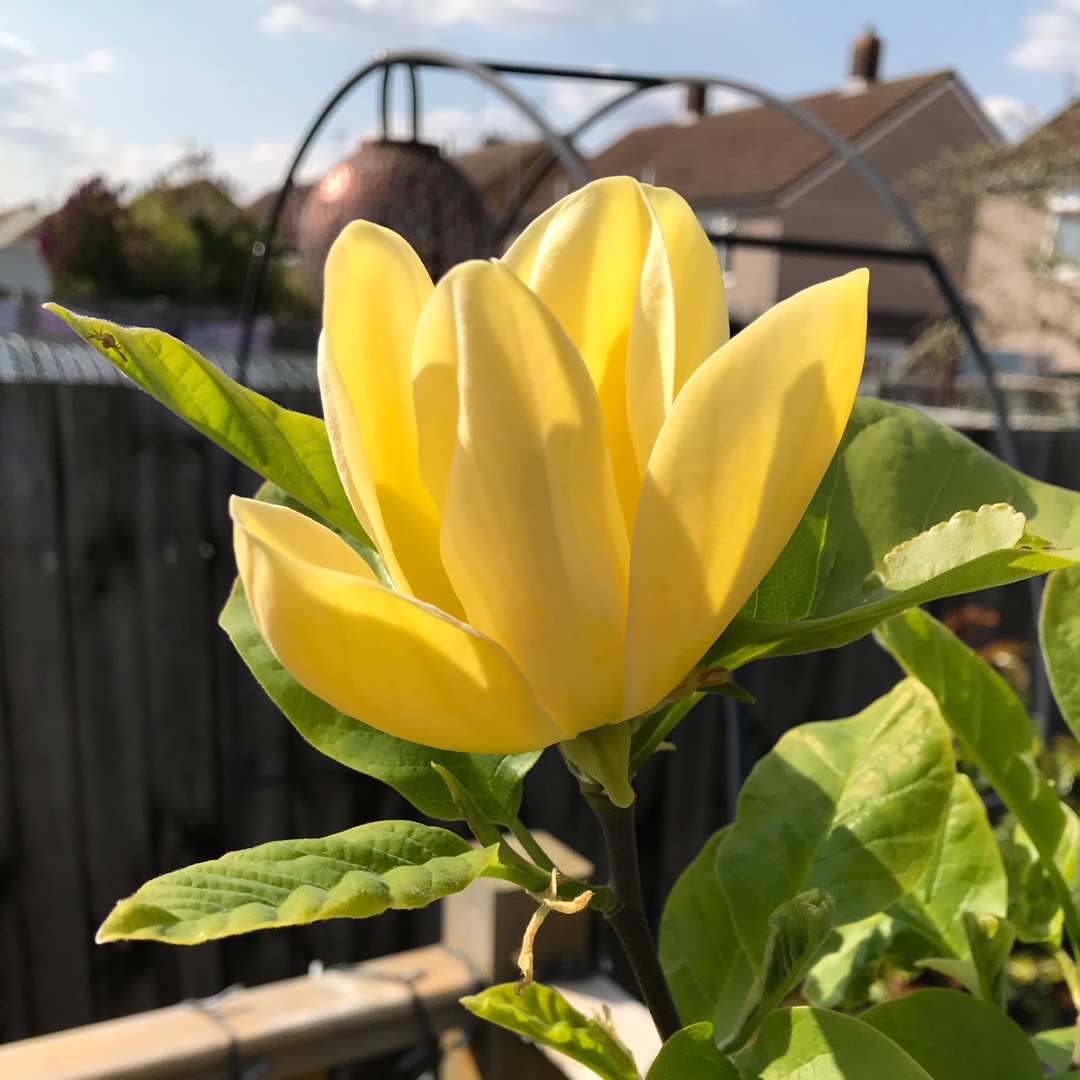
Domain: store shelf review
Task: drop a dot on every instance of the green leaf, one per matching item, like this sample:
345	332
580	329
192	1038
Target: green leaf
1054	1048
846	967
352	874
543	1015
967	535
814	1044
290	449
992	725
696	909
859	956
990	941
691	1054
851	807
1034	907
895	476
797	929
989	944
493	780
1059	630
956	1037
651	730
965	873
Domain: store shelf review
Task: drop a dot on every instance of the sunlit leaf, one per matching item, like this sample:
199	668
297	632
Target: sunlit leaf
965	874
352	874
814	1044
691	1054
956	1037
897	475
543	1015
992	725
1059	630
290	449
851	807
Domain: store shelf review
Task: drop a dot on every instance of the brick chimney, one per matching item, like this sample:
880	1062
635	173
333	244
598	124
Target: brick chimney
695	98
866	57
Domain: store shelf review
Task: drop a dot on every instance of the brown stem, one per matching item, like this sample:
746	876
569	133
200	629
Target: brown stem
626	915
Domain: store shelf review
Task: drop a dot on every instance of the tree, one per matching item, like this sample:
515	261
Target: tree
1015	203
181	238
85	242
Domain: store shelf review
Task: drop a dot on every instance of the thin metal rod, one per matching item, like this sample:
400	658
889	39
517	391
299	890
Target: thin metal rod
528	182
414	101
809	246
384	101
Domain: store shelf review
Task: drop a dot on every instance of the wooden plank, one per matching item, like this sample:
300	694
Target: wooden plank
314	1022
49	877
98	454
14	1018
179	622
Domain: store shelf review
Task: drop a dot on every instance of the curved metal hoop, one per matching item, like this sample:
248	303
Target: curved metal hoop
920	249
562	148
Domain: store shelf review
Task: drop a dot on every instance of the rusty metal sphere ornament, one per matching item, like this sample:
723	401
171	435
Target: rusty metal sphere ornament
405	186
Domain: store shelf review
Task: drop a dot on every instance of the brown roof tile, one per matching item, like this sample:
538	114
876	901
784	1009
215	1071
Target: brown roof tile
757	151
497	167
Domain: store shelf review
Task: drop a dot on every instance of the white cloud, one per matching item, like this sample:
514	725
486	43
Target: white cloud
1014	117
332	17
1051	39
100	61
41	133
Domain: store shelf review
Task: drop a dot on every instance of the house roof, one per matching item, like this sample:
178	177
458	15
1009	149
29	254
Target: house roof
18	222
758	151
497	168
492	161
1064	125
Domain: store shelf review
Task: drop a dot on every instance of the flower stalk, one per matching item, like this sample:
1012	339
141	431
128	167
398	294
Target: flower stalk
626	912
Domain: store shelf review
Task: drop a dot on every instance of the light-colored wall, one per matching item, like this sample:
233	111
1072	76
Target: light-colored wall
752	273
23	270
840	206
1022	308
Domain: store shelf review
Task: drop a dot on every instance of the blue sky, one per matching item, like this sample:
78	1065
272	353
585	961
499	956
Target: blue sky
124	87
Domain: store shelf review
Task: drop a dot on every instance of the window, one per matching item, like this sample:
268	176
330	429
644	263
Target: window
1063	242
720	224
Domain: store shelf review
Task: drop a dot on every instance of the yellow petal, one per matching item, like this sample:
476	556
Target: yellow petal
512	448
375	289
628	271
680	319
388	660
733	470
583	259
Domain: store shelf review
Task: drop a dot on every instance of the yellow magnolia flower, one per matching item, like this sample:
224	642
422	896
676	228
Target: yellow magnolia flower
573	478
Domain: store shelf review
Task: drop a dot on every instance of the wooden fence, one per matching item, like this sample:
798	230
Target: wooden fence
132	741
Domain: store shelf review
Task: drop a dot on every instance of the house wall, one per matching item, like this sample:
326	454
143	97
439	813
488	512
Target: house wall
840	206
23	270
753	273
1021	309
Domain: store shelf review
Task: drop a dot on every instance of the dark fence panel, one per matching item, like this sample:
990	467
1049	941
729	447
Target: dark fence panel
133	741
